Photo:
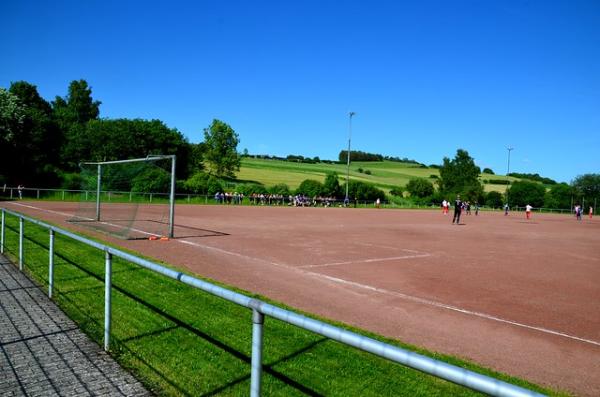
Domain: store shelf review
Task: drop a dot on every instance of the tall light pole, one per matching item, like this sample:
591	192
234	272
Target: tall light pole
508	171
350	114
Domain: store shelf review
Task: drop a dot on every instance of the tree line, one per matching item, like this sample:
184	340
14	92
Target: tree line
460	175
42	142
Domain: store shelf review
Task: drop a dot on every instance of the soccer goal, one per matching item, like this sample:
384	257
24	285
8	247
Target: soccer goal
130	199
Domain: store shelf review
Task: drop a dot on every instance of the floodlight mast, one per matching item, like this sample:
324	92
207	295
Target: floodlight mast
508	171
150	157
350	114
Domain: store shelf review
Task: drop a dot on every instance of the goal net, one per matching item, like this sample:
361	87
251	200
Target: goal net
130	199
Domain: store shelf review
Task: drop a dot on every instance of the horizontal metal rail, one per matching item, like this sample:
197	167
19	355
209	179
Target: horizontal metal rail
396	354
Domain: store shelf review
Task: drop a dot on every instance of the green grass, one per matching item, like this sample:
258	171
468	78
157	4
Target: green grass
180	341
385	174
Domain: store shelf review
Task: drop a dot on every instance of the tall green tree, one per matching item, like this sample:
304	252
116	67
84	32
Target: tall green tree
35	153
587	187
559	196
461	176
220	141
331	185
72	113
12	116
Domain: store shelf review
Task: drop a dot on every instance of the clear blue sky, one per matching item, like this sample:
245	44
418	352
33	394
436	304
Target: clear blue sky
424	77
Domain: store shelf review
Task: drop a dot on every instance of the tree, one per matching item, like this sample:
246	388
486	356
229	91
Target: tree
522	193
460	176
280	188
78	107
34	155
331	186
310	188
494	199
559	196
12	116
364	191
72	114
221	142
419	187
488	171
587	187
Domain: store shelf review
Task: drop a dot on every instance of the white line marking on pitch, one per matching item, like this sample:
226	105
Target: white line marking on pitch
397	294
378	290
393	258
83	217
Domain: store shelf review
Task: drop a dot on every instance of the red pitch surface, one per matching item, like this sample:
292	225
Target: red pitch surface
519	296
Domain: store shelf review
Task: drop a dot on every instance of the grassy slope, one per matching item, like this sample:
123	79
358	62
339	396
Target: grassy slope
385	175
181	341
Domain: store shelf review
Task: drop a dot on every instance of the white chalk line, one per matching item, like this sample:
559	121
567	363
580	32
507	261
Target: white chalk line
375	289
393	258
83	217
398	294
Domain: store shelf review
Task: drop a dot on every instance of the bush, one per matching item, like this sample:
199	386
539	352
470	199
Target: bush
197	183
72	181
524	192
368	172
498	182
310	188
488	171
399	192
214	185
250	188
364	191
419	187
280	188
494	199
153	180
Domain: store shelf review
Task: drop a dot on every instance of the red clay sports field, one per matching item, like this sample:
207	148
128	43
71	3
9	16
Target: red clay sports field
521	297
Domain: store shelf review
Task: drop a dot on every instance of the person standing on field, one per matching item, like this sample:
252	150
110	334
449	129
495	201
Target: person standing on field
528	211
591	211
457	210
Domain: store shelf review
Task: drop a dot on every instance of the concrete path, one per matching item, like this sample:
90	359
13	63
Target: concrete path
43	353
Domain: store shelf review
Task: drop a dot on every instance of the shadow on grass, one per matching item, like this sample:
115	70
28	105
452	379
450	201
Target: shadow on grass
94	328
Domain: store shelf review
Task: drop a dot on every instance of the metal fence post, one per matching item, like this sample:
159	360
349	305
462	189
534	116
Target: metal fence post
51	264
2	234
21	243
258	320
107	299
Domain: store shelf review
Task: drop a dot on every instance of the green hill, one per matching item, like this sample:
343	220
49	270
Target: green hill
384	174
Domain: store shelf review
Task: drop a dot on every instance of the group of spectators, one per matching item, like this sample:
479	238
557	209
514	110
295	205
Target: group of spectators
299	200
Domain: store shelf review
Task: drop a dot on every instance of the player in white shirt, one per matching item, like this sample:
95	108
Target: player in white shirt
528	211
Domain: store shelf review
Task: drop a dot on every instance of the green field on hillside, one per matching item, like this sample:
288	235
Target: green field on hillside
385	174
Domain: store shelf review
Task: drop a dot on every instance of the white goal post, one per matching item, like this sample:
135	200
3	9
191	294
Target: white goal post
151	157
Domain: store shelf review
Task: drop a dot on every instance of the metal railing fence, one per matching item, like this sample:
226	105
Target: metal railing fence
261	309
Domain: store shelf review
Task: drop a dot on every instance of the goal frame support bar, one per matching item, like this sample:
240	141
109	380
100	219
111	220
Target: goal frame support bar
150	157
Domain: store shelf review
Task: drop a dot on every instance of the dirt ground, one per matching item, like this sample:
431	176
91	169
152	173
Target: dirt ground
519	296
